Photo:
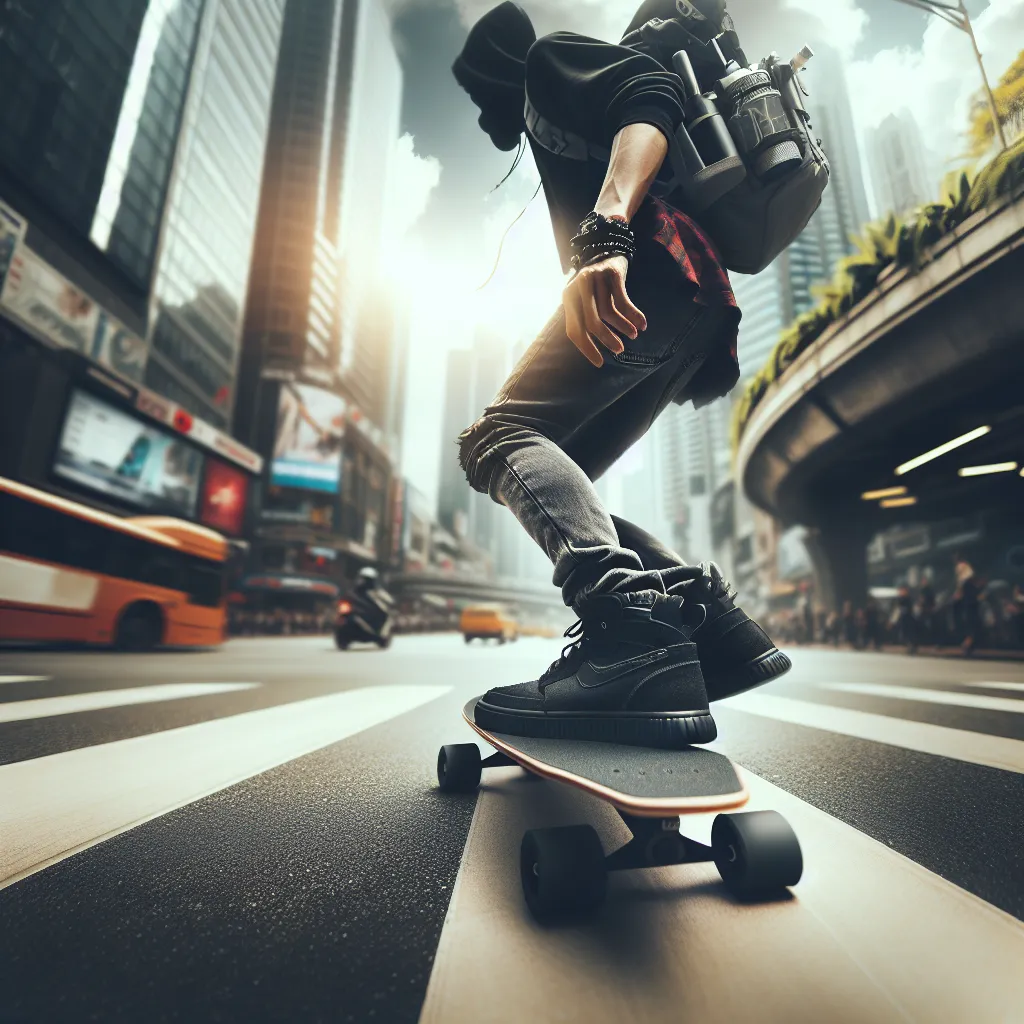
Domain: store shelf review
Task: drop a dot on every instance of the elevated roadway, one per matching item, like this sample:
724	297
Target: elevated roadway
927	357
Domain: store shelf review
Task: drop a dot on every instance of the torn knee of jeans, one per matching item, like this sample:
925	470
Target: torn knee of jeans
473	456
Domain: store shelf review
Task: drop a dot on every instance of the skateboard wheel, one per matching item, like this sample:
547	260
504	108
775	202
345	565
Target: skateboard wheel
458	767
563	871
757	853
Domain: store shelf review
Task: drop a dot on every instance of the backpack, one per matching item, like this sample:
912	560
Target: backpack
750	218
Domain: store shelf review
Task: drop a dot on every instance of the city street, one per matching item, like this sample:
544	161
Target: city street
255	834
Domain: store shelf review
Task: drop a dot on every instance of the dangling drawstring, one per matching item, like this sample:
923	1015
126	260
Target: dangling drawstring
501	244
520	150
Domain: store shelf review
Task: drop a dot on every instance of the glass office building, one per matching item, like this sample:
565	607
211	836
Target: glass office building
93	95
203	268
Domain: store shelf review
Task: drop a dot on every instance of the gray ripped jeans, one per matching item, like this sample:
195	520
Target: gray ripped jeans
558	423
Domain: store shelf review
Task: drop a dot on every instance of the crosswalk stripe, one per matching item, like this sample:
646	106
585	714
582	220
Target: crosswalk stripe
868	935
52	807
973	747
961	700
982	683
23	679
45	707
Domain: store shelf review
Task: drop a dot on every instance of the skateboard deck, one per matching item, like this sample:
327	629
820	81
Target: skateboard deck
644	782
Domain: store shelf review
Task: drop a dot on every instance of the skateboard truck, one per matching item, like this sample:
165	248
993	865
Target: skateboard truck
656	842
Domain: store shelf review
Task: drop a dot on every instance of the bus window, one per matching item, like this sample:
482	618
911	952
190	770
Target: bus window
205	584
161	569
85	544
48	535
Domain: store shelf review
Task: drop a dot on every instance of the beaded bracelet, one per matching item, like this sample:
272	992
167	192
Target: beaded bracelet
599	238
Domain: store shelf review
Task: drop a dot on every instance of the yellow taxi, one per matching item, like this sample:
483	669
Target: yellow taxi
488	622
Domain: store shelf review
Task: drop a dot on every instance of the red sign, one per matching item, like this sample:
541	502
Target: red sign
224	494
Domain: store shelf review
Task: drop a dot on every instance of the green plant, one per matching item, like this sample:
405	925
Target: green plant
881	244
1009	98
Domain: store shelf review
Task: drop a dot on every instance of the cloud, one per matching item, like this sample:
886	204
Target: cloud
763	25
411	180
937	81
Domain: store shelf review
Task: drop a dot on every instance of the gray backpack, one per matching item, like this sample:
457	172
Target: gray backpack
745	158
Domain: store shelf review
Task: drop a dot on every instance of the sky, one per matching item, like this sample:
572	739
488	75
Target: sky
449	222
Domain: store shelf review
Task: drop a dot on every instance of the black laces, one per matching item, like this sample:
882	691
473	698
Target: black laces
720	587
575	633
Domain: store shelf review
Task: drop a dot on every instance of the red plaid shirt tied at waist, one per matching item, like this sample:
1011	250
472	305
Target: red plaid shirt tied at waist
697	260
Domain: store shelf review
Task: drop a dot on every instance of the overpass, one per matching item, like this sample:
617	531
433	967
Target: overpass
924	359
539	599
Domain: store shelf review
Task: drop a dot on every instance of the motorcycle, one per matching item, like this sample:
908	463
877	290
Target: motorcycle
364	618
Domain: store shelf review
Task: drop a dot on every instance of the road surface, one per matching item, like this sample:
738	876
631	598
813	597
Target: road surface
254	834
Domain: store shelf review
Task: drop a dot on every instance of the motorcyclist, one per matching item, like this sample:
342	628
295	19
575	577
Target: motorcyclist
367	580
370	616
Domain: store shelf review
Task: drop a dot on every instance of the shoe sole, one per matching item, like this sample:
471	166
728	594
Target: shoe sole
668	731
763	669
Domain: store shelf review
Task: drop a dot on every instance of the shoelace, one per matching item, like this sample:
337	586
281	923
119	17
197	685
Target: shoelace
719	585
575	633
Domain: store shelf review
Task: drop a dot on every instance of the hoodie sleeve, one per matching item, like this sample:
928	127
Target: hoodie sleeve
595	88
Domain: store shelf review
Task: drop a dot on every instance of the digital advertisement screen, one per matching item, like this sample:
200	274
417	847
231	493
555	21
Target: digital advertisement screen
225	490
110	451
310	430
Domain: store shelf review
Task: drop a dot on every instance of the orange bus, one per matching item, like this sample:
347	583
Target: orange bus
71	573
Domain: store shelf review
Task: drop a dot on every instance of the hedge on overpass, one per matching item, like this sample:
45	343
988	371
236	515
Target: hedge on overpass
883	243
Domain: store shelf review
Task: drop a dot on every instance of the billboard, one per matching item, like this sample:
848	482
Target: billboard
12	229
225	490
48	303
52	307
107	450
307	448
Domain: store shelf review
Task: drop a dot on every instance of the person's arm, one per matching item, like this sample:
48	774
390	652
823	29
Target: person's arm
595	300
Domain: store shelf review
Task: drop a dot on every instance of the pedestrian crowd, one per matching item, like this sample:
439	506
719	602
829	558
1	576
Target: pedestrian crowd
278	622
970	615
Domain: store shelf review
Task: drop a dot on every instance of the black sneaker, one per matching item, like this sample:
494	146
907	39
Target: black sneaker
735	652
632	676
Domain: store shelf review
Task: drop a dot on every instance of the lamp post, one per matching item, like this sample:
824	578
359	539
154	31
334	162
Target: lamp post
956	15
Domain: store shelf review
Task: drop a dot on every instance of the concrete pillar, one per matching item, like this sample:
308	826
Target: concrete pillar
838	553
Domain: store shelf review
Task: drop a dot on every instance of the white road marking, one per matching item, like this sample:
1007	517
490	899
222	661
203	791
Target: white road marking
45	707
958	744
52	807
961	700
1019	687
24	679
868	935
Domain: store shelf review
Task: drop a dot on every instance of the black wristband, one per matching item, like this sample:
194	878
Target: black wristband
599	238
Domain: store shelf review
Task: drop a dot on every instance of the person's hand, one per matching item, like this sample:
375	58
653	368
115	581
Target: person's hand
596	306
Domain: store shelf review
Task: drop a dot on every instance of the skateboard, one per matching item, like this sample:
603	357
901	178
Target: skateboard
564	871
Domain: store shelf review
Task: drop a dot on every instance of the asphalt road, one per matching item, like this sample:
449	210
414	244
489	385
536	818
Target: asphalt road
254	834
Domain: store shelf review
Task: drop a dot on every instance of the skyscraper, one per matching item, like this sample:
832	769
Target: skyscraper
292	310
203	267
694	457
87	141
367	329
898	164
453	491
326	164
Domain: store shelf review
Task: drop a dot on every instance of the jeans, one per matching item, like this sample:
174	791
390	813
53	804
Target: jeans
559	422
